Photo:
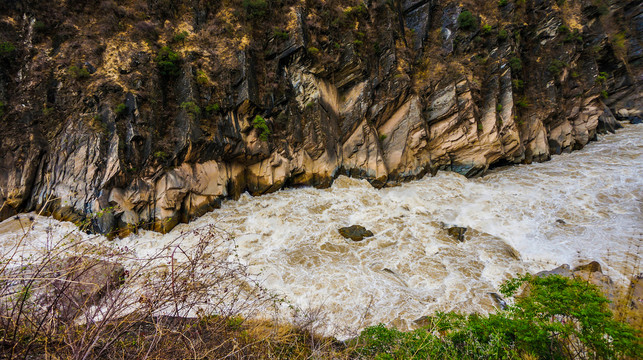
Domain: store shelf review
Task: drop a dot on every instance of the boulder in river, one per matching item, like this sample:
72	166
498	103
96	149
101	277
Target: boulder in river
593	266
355	232
457	232
563	270
636	120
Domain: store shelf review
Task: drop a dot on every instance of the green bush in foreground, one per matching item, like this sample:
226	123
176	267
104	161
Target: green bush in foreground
560	318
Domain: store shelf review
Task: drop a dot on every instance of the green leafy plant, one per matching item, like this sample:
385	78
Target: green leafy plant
213	108
162	155
281	34
6	48
502	3
355	11
556	66
259	123
486	29
192	108
39	26
467	21
2	108
313	50
502	34
180	37
120	109
522	103
382	137
78	73
255	8
168	61
574	36
604	94
202	78
601	78
618	40
558	318
499	107
516	64
46	110
517	84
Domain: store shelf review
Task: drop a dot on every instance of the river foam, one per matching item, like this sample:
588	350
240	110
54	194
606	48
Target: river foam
578	207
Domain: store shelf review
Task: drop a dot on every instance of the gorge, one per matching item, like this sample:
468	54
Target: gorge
576	208
240	141
160	110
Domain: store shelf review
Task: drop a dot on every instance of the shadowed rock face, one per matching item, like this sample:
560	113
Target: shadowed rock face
260	98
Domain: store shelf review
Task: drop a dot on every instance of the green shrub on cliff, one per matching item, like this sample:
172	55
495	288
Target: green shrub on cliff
213	108
2	106
556	66
78	73
192	108
259	123
6	48
467	21
516	64
168	61
120	109
180	37
255	8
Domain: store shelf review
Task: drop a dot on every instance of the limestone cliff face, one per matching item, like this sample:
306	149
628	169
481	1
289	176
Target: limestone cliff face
158	110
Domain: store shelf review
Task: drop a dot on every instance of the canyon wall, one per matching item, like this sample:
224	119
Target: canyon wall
127	114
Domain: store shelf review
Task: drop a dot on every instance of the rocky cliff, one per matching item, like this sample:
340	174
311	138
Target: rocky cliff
149	113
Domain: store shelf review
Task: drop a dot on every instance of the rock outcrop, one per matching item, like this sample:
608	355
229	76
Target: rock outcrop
355	232
152	113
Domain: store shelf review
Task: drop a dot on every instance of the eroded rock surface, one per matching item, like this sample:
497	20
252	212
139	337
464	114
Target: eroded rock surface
95	120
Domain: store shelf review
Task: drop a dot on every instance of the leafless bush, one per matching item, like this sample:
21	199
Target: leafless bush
81	299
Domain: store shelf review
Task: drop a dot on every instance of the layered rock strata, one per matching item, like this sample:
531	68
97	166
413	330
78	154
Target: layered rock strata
96	120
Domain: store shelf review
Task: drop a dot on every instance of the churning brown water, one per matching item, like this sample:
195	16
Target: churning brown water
578	207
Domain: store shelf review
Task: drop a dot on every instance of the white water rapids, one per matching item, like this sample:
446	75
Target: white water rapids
578	207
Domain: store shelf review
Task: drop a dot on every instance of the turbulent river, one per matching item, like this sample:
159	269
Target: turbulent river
578	207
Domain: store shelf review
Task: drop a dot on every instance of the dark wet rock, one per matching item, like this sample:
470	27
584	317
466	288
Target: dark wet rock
90	68
593	266
498	300
457	232
355	233
636	120
561	222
